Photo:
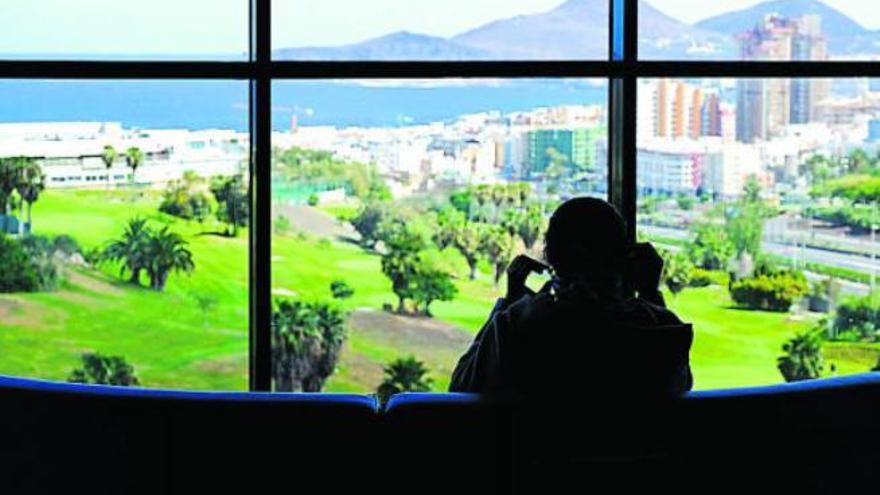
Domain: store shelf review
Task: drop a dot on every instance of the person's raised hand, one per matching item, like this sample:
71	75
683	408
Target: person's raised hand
517	273
646	268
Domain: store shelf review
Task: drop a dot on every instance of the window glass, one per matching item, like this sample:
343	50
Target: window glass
761	195
440	30
125	30
759	31
118	258
396	206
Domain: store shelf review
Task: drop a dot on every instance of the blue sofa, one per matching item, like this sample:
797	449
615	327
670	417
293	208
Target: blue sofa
813	437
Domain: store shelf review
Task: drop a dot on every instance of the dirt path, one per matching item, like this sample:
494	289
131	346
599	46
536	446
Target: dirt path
315	222
377	337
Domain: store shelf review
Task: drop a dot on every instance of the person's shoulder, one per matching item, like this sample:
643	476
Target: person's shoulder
531	307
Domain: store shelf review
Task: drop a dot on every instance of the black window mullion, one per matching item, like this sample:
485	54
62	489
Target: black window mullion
622	112
260	355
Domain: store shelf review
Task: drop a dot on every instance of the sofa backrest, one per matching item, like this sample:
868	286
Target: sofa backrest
813	437
66	438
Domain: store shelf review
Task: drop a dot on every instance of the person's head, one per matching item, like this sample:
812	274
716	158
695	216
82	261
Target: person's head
587	240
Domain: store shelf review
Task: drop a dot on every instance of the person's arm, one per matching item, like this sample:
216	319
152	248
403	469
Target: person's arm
646	270
479	369
480	360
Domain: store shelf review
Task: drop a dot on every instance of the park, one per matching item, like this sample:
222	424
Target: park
194	333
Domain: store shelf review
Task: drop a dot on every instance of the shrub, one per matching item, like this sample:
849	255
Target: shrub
677	271
17	273
188	198
340	289
702	278
104	370
803	358
282	225
313	200
856	320
772	292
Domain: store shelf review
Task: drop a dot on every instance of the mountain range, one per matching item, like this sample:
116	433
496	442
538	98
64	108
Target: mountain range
578	30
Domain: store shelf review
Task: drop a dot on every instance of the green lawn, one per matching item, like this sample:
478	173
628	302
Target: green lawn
173	343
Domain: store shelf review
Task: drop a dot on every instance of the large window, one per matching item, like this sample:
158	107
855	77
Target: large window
765	220
322	195
401	201
115	243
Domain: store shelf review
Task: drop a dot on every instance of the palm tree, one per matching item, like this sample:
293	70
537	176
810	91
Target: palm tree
406	374
9	178
32	182
134	157
167	252
109	156
131	249
803	358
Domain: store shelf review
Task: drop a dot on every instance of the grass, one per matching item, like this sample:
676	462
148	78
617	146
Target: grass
173	343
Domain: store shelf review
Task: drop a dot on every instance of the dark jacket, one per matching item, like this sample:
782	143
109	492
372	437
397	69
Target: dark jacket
545	343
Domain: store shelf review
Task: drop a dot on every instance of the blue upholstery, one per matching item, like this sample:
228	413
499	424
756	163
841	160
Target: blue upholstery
809	437
133	393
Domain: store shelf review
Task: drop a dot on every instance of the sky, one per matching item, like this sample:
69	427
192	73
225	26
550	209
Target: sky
220	26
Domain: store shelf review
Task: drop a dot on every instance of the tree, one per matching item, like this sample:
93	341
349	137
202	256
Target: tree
497	246
858	160
340	289
130	249
31	182
166	252
803	358
10	169
745	228
677	269
233	202
402	261
432	285
17	272
306	340
467	240
462	201
449	221
188	198
406	374
104	370
134	158
109	156
710	249
752	190
528	224
368	223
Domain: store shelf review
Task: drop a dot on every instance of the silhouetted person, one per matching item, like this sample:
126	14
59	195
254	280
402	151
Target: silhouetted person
598	328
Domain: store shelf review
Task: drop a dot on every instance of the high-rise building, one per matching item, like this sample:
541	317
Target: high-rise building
766	106
677	110
751	110
808	44
710	116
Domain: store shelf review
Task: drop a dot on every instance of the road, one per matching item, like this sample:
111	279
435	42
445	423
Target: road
799	253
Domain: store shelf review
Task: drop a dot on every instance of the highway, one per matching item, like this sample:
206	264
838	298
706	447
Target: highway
800	253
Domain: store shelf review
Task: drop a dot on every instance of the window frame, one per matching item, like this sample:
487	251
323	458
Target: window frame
622	70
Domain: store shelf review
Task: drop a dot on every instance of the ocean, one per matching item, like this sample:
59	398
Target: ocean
224	104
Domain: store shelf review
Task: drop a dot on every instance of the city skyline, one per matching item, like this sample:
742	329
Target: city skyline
223	32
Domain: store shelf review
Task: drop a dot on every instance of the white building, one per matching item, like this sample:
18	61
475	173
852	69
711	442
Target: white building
70	153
